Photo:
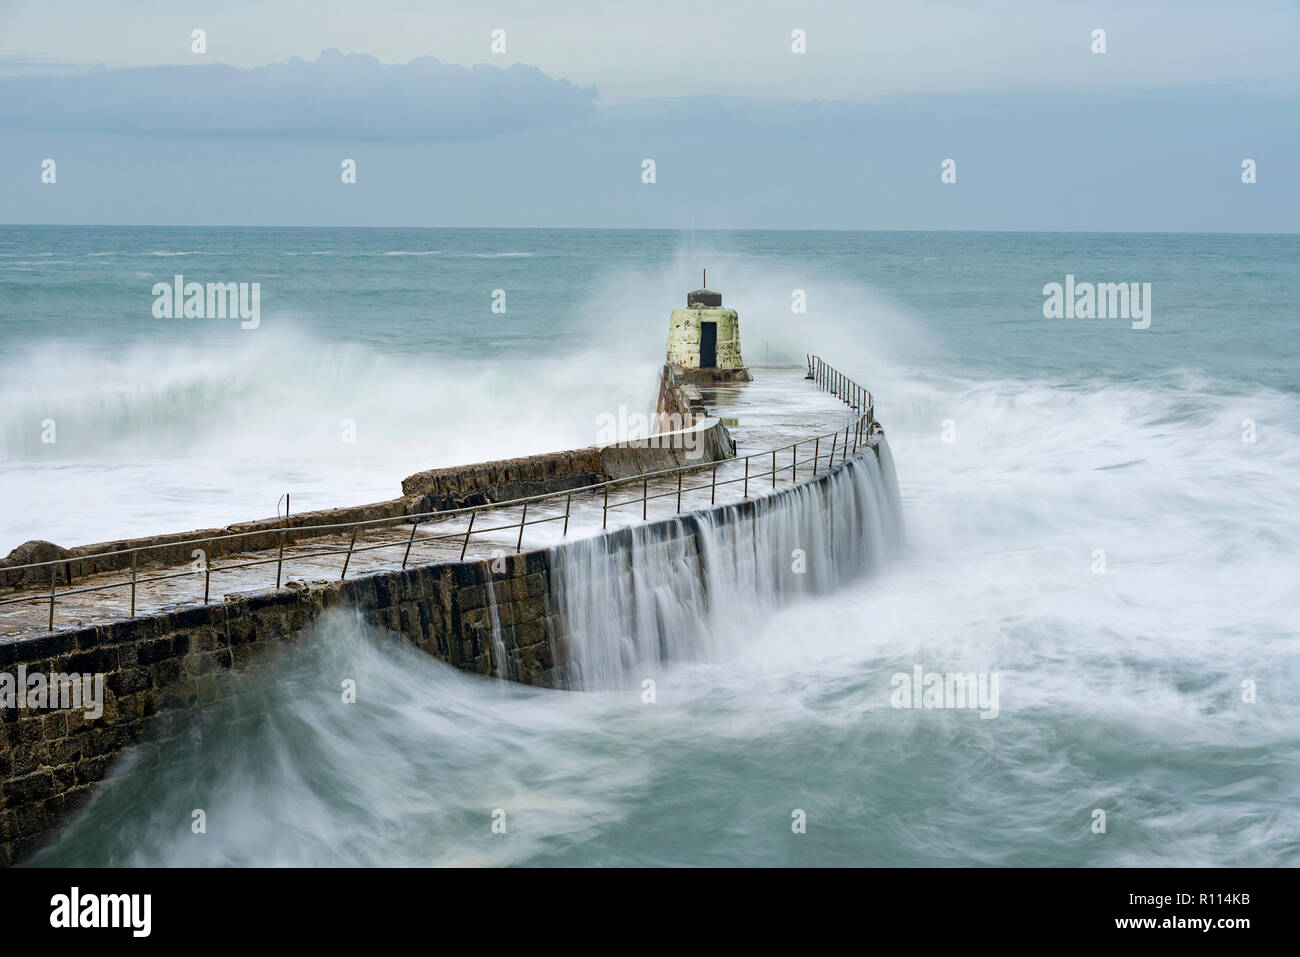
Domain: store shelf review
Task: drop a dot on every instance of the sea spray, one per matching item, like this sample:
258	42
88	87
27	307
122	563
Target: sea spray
290	774
692	588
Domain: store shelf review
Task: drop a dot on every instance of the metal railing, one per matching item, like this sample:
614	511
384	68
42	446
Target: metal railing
842	442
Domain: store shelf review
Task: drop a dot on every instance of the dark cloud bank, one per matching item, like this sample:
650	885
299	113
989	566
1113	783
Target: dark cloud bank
447	145
333	96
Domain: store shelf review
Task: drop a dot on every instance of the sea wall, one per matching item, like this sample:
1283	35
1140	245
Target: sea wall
503	617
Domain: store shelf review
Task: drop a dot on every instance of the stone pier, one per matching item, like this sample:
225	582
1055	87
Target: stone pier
160	666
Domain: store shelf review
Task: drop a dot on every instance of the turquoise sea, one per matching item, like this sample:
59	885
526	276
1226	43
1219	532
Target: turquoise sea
1155	683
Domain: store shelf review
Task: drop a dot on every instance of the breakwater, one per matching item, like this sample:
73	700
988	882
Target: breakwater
589	613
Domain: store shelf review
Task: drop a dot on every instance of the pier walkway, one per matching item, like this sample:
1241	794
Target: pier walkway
786	428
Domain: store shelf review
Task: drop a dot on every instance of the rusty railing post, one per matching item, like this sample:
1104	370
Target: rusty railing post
794	463
817	451
774	468
604	517
468	531
133	554
568	503
834	440
279	564
746	492
713	486
846	445
645	495
523	517
679	490
409	542
207	571
351	545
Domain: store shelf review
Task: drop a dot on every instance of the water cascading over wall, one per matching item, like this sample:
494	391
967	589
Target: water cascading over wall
690	589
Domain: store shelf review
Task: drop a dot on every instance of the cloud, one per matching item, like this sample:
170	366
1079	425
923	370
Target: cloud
334	96
18	66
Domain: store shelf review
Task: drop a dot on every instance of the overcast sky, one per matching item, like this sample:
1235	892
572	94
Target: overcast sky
744	132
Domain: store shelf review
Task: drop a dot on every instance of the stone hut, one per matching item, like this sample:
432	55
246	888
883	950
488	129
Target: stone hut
704	339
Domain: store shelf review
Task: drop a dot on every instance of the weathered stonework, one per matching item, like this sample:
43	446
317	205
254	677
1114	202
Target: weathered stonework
703	440
160	667
678	399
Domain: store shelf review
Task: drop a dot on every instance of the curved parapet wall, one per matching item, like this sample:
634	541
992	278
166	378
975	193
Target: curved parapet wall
505	479
706	441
